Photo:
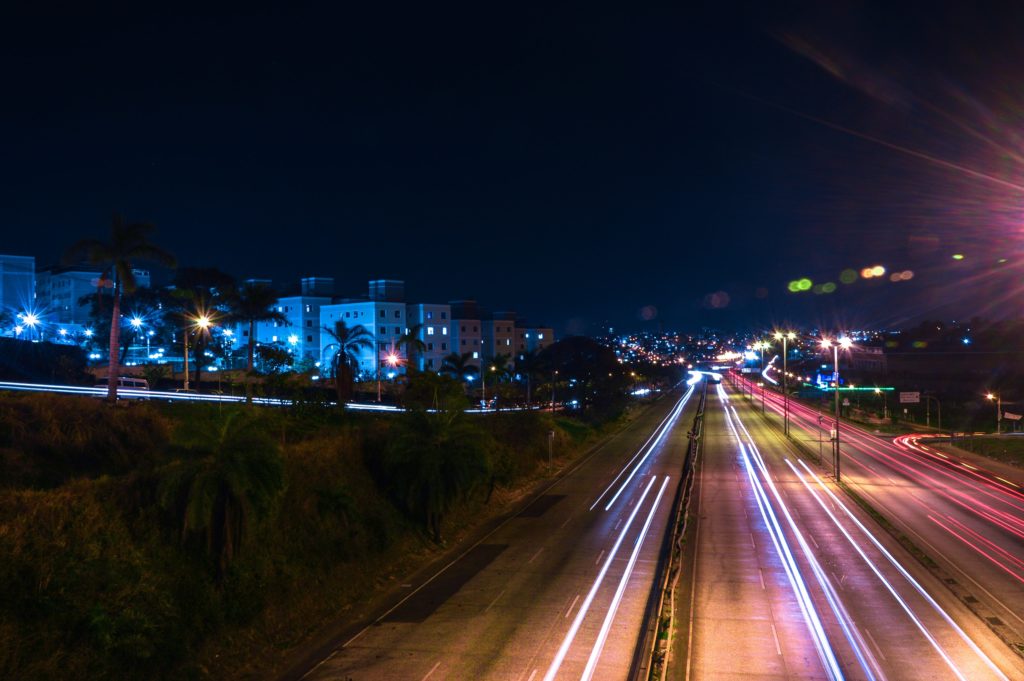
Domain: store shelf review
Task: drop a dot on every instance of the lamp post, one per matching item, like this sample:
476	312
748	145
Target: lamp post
761	347
201	323
136	324
784	337
998	399
845	344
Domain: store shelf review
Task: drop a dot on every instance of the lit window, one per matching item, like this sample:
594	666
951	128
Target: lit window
430	331
476	355
430	315
444	330
540	336
309	308
273	338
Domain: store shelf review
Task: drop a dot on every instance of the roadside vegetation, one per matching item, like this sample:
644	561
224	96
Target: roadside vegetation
180	541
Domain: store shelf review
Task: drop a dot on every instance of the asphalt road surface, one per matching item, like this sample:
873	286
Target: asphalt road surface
793	581
558	591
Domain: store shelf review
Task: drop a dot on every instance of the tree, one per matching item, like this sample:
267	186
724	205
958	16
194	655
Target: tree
529	365
458	366
499	369
129	242
248	304
350	342
433	460
410	340
227	480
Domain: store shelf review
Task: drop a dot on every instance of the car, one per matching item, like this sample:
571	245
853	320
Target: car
127	382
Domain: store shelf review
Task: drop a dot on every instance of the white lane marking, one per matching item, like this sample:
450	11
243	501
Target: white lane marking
491	604
567	519
534	557
571	634
775	635
532	674
752	544
361	632
599	557
602	636
617	523
571	606
760	573
432	670
874	643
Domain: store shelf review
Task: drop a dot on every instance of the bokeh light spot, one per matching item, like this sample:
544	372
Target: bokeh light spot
794	286
804	284
958	256
829	287
848	276
878	270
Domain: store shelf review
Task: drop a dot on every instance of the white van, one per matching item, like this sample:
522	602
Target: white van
129	382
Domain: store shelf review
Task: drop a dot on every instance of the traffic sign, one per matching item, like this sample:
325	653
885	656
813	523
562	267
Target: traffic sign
910	398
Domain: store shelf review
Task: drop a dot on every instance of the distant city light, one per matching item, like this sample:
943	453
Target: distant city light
958	256
136	322
89	333
293	339
63	332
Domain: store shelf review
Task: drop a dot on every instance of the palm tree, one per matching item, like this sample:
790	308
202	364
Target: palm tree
350	342
528	365
248	304
220	492
458	366
433	460
129	242
410	340
499	368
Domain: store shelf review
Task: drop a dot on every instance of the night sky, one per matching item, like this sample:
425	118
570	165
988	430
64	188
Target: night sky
635	165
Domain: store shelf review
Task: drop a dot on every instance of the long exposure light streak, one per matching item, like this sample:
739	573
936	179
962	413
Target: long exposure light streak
585	606
652	443
775	532
595	652
896	564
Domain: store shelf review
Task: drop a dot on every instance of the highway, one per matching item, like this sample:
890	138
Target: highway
793	581
557	591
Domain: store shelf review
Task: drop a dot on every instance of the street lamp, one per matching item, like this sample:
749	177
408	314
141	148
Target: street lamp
998	399
200	323
845	344
784	337
761	347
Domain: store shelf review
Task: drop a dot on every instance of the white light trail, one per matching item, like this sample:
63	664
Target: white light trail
917	586
606	626
652	442
582	612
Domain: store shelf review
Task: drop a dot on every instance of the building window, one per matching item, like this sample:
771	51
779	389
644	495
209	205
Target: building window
273	339
430	315
430	346
444	315
309	322
463	328
430	331
463	341
540	336
508	341
430	363
245	333
475	329
309	308
444	330
444	346
346	315
398	314
309	339
382	313
383	346
398	331
476	355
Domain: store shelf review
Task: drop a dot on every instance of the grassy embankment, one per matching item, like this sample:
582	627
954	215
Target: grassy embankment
189	541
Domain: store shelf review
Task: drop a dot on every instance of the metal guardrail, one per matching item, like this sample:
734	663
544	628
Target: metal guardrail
650	658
